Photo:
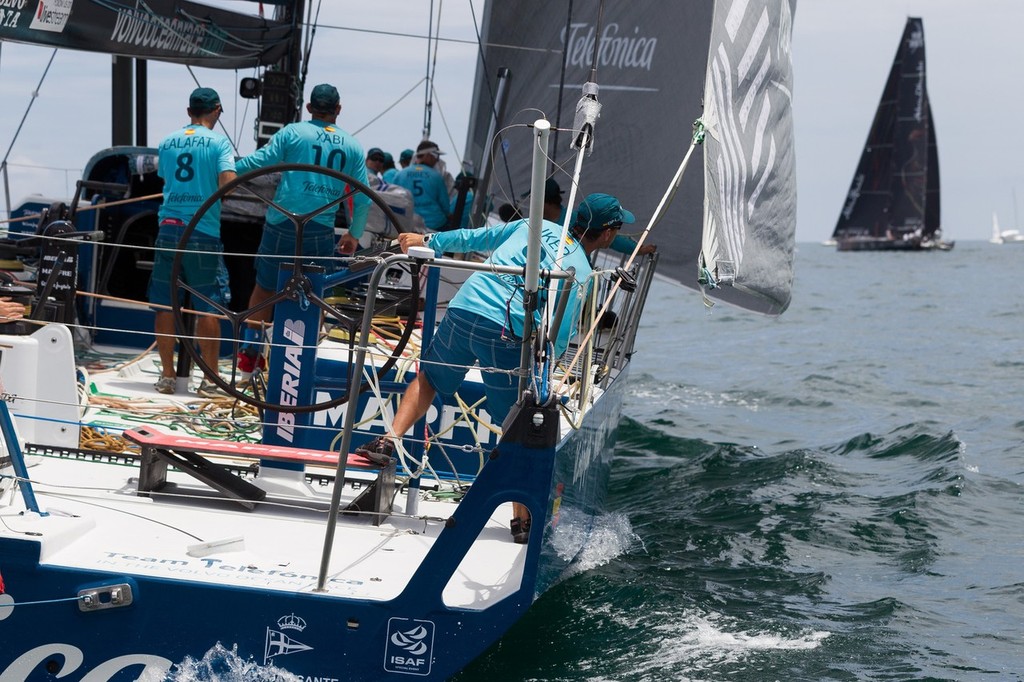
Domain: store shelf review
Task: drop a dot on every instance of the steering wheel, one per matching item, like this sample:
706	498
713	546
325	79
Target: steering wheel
297	288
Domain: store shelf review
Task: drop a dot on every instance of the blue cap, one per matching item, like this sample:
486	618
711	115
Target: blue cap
601	211
375	154
203	100
324	98
406	155
388	158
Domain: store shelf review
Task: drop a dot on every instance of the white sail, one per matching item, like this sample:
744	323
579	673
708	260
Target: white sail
749	160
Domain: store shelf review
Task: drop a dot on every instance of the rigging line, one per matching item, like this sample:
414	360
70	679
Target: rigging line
448	131
38	603
223	127
80	209
81	500
433	72
310	35
508	194
427	88
35	94
561	84
487	82
417	36
392	106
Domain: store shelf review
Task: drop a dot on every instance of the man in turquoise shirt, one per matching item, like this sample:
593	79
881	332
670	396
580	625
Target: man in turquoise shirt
318	142
484	321
193	163
429	191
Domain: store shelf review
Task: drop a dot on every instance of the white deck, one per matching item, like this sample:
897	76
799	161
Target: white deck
97	521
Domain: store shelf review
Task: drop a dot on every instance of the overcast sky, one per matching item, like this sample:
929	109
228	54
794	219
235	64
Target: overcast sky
842	52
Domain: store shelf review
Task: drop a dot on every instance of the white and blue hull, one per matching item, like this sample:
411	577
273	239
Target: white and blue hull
169	579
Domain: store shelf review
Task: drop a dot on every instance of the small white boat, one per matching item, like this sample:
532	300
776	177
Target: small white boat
1004	236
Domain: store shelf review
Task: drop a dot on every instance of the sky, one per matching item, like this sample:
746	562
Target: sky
842	50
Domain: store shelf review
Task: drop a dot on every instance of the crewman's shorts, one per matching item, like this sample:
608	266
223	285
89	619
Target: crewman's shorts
463	338
277	247
202	268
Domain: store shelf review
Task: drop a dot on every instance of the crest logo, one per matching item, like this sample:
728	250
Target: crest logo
291	622
280	644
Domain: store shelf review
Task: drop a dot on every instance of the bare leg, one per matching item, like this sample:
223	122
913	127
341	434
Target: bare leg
165	339
208	331
520	511
414	405
259	295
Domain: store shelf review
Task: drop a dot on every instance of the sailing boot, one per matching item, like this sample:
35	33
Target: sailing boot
380	451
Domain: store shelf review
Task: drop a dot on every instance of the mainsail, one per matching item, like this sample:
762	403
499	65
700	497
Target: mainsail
894	194
651	67
165	30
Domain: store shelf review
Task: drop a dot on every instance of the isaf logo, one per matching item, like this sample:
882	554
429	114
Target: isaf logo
409	647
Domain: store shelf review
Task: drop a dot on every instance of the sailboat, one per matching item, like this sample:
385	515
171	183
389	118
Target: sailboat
258	536
893	200
1000	236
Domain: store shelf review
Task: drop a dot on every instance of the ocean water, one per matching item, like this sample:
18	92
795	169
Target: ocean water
834	494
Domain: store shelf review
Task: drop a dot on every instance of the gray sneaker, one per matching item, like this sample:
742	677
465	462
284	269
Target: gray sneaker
208	389
166	384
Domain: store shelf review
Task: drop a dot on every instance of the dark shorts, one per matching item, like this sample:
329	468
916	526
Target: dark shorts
463	338
278	246
202	268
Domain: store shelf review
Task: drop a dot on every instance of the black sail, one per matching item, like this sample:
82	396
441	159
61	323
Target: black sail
650	69
893	200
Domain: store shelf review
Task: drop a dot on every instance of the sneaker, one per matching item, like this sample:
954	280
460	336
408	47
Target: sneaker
208	389
248	361
166	384
380	451
520	530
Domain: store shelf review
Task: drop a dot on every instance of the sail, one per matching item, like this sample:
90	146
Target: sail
895	190
650	71
749	158
165	30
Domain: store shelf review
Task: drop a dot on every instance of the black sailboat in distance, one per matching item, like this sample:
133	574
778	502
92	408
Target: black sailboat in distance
893	202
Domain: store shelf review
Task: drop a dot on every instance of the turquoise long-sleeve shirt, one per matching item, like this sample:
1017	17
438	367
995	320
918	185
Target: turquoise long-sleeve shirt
499	298
190	163
318	143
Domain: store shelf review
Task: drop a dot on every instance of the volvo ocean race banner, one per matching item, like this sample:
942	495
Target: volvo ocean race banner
749	156
164	30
